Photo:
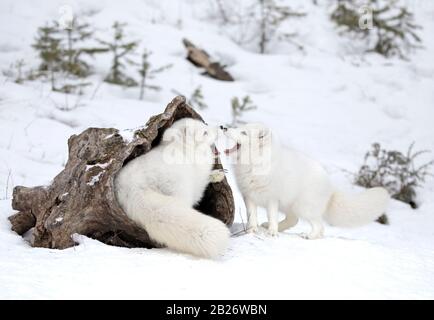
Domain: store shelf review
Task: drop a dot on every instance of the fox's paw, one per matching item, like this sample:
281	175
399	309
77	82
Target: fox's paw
310	236
252	228
216	176
304	235
272	232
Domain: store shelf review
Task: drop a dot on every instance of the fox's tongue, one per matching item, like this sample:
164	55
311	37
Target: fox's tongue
233	149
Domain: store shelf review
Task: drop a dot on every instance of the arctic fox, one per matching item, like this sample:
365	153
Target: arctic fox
277	178
159	189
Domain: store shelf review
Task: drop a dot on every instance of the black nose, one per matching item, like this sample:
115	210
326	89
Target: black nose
223	128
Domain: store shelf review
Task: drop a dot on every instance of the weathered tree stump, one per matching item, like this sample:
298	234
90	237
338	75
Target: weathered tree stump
81	198
202	59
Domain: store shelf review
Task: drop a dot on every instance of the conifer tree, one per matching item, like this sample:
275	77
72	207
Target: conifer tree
271	16
75	35
61	54
256	21
16	72
120	50
47	43
147	72
239	108
392	31
197	99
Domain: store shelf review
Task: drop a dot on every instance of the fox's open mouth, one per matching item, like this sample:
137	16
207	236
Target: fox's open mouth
233	149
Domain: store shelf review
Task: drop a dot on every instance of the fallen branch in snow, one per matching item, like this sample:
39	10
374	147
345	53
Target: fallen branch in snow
201	59
81	198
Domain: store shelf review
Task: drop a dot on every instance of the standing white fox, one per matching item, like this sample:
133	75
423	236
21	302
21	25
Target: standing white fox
278	178
159	189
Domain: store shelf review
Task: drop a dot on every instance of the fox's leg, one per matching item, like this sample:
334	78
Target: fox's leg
273	215
252	215
317	231
312	212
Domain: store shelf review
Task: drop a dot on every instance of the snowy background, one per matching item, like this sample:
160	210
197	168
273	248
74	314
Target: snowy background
327	100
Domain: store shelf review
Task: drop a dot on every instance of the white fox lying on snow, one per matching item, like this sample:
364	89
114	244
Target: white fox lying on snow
281	179
159	189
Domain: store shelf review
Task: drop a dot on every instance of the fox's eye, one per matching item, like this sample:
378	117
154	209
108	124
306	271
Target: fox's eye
205	133
244	133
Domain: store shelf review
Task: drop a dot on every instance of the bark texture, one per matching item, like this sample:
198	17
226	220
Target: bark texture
81	199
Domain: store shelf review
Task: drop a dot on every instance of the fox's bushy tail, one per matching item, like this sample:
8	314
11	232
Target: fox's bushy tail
356	210
289	221
171	222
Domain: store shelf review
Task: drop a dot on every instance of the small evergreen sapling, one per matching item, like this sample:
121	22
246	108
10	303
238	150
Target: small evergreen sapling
61	55
16	72
239	108
77	33
391	31
19	65
256	21
146	72
271	16
197	100
48	44
120	50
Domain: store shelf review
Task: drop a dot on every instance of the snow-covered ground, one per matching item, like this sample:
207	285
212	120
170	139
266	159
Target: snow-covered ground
328	102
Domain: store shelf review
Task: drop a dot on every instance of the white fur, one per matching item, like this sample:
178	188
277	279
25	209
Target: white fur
282	179
159	192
